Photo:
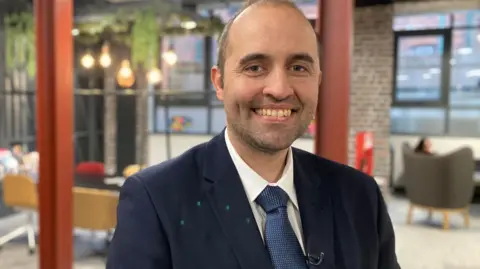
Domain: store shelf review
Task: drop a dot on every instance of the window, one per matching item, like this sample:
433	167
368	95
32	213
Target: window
466	18
219	120
187	74
465	68
429	121
421	22
419	72
225	12
437	79
309	8
464	122
185	78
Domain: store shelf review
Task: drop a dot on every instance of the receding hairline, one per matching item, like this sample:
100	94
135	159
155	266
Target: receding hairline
224	36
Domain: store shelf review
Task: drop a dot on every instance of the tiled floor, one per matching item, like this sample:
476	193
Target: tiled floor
422	245
88	248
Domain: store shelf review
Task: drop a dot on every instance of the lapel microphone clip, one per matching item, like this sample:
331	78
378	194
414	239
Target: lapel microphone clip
315	259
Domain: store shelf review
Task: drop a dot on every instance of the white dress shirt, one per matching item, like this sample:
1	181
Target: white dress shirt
254	184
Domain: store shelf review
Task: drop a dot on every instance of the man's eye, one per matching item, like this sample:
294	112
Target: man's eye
298	68
254	68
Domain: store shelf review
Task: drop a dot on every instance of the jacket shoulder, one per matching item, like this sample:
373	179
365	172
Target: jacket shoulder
175	170
355	190
344	175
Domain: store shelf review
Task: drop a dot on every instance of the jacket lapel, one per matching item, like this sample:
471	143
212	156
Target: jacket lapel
229	201
316	211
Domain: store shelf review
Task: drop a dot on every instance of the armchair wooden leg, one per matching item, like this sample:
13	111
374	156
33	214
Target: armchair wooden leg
466	217
410	214
446	223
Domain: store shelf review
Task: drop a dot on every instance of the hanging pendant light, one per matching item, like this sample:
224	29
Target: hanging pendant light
87	60
154	76
105	59
125	76
170	57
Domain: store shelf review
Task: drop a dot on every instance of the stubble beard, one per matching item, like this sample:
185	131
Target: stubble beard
265	143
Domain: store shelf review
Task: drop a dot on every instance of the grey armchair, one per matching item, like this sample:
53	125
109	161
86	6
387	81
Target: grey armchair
440	182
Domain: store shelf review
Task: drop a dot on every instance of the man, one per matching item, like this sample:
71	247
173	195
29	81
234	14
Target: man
17	153
247	199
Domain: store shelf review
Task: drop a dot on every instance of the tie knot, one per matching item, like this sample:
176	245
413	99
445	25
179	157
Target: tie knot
271	198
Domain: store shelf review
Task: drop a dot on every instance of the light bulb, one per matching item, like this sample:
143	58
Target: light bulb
189	25
125	77
105	59
478	38
154	76
88	61
125	72
170	57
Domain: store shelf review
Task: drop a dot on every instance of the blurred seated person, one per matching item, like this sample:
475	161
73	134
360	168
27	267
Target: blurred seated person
30	164
17	153
424	146
30	160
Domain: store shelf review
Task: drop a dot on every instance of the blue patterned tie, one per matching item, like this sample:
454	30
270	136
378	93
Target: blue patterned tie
280	239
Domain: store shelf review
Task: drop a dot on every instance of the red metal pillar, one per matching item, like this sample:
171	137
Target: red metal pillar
55	130
334	28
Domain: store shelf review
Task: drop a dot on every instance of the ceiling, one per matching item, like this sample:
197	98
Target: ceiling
90	5
364	3
359	3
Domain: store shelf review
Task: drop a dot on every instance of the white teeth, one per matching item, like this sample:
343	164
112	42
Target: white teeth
274	112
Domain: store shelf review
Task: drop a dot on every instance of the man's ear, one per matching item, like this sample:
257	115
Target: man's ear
217	81
320	76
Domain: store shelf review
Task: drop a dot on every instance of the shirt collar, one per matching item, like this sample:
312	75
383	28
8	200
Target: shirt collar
254	184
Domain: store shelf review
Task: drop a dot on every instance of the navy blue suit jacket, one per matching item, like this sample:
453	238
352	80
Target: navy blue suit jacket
192	213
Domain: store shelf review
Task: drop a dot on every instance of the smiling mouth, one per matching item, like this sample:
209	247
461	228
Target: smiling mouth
274	113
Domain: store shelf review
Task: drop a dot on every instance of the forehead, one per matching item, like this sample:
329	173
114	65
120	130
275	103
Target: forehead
271	29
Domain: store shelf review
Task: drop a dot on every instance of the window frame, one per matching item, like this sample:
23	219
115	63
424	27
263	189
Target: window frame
445	67
444	101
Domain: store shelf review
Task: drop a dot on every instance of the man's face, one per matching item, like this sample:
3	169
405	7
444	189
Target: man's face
428	145
271	77
17	149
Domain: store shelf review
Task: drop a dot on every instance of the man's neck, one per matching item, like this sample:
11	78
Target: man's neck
268	166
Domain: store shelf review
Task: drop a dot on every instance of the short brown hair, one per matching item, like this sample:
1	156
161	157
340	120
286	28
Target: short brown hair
223	39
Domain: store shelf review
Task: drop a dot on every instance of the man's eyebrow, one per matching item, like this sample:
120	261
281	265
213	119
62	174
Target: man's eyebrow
301	57
260	56
253	57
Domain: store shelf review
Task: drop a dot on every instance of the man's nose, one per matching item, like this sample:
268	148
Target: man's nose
278	85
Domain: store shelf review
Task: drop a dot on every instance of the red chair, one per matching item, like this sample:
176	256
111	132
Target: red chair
90	168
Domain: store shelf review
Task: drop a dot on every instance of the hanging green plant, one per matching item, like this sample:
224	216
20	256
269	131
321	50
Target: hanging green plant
20	42
9	43
31	51
145	39
161	18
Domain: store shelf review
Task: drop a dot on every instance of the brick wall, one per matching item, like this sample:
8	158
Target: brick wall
373	52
